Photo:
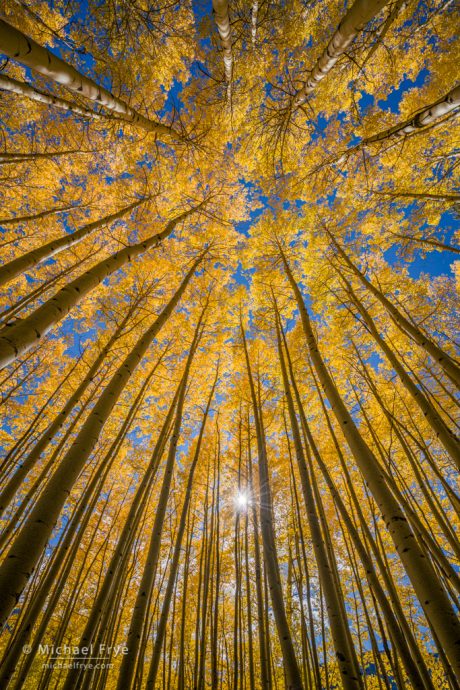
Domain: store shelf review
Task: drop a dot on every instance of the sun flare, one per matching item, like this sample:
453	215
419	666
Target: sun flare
241	501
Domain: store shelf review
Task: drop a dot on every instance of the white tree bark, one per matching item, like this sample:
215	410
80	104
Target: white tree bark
359	14
23	89
223	26
25	50
254	11
424	118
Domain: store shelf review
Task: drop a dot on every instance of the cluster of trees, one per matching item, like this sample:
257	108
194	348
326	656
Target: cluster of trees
229	380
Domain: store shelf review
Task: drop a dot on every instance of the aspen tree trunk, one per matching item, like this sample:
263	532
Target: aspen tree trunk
383	566
421	196
343	644
23	89
181	663
430	241
450	367
9	157
128	664
222	19
359	14
15	518
66	551
417	468
7	316
206	604
308	651
52	429
25	50
107	594
413	671
16	340
17	266
442	432
262	632
293	676
254	12
122	549
312	639
426	117
34	216
252	680
203	556
395	10
419	569
161	628
402	429
19	446
33	537
215	612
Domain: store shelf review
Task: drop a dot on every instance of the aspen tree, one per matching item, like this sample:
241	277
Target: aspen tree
127	669
52	429
28	545
291	668
222	19
23	89
19	338
344	651
356	18
25	50
161	629
427	117
17	266
450	367
430	592
443	433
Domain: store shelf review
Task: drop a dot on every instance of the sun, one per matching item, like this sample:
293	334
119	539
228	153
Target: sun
241	501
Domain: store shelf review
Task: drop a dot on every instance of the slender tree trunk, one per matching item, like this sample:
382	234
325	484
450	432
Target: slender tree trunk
254	12
427	116
451	368
128	665
441	430
222	19
24	89
343	644
17	157
34	216
58	422
421	196
161	628
261	629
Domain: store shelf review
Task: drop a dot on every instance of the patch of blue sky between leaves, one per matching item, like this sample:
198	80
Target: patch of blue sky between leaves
394	98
